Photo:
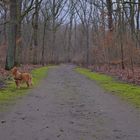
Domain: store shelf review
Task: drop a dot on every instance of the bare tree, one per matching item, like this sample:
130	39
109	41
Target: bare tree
84	12
10	59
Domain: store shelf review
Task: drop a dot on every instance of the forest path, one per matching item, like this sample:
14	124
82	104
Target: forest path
68	106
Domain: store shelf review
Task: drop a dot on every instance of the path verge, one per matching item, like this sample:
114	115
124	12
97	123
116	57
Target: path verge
10	93
129	92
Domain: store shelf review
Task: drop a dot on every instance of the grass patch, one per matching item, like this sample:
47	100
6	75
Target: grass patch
129	92
10	94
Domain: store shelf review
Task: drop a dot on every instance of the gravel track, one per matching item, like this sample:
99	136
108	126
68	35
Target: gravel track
68	106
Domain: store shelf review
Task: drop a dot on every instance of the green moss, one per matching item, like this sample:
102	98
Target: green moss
10	94
129	92
39	74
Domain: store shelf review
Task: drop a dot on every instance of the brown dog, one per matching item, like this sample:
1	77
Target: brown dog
21	77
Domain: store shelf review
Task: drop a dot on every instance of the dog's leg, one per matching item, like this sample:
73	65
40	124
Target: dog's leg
17	83
30	82
28	85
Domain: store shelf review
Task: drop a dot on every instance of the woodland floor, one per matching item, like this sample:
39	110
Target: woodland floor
68	106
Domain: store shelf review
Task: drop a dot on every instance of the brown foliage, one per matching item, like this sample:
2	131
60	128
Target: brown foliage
126	75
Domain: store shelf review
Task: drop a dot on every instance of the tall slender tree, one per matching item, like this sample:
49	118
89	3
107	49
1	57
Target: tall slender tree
110	9
18	33
11	34
35	28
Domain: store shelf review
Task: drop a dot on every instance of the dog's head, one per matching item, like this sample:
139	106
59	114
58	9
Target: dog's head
14	70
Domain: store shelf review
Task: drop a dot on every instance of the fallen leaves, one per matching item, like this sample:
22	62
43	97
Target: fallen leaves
126	75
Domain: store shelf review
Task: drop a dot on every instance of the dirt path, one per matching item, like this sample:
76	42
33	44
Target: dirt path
68	106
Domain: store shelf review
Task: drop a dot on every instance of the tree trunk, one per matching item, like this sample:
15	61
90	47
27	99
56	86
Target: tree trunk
36	31
87	46
11	31
132	14
4	33
70	40
121	32
53	31
138	16
110	20
43	45
18	34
